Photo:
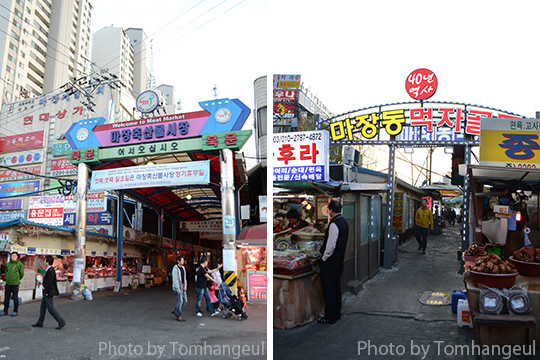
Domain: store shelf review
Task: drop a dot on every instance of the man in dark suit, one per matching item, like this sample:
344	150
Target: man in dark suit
333	256
50	289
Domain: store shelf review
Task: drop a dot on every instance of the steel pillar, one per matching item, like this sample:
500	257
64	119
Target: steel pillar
80	244
387	261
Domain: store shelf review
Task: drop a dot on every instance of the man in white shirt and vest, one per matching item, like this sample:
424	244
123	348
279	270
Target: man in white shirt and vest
333	256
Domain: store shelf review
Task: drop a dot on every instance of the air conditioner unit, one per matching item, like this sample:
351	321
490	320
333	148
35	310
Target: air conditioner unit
351	156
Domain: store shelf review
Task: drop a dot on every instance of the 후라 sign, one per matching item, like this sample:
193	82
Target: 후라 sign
301	156
186	173
511	143
31	140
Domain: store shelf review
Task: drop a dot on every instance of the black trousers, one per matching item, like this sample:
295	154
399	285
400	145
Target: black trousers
11	291
331	271
47	304
421	236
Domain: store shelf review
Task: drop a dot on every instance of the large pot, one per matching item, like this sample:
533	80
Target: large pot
498	281
526	268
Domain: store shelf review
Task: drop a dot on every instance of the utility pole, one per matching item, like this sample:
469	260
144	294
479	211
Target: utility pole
228	219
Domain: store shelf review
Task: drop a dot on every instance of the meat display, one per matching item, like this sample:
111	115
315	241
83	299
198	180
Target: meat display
492	264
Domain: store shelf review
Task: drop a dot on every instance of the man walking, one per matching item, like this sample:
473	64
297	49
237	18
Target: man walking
179	286
333	255
14	274
424	223
201	287
50	289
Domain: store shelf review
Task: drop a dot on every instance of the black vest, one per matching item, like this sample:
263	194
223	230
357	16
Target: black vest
343	235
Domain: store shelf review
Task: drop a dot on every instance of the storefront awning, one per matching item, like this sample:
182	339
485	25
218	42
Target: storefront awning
505	178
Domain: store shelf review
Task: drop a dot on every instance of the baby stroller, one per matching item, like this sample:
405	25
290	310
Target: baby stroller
231	303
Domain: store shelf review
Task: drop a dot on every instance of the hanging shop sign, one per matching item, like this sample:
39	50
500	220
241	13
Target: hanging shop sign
263	206
104	218
16	174
62	167
421	84
397	222
511	144
220	115
202	226
301	156
19	188
21	158
233	140
8	216
147	101
46	209
31	140
11	204
187	173
100	229
96	201
287	81
444	123
60	149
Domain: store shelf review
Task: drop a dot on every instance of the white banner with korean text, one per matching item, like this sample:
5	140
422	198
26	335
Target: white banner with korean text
186	173
301	156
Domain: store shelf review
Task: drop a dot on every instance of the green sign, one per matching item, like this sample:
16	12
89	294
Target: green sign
233	140
60	149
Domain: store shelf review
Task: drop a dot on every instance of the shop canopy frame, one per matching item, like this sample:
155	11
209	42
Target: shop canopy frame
391	118
205	202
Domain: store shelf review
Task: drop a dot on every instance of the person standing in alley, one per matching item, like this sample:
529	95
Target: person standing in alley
14	274
333	256
179	286
201	287
50	289
452	217
424	223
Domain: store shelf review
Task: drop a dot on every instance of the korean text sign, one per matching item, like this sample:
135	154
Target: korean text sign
301	156
511	143
187	173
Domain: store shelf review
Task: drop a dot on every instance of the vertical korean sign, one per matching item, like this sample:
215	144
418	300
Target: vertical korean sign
511	143
301	156
397	222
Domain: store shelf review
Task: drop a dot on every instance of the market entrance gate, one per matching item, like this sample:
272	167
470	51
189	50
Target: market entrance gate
414	124
214	130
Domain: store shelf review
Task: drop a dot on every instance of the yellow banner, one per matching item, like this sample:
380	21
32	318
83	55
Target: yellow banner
510	148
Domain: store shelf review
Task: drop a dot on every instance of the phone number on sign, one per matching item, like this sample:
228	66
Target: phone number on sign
522	166
297	137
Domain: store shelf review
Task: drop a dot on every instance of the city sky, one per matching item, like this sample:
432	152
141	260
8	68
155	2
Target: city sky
198	44
355	54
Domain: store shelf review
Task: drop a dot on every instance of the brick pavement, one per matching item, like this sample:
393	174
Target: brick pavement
388	312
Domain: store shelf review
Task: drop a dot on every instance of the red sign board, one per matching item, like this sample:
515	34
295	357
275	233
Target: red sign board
31	140
285	95
61	164
421	84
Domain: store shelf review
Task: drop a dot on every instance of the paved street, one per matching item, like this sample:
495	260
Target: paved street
136	324
387	312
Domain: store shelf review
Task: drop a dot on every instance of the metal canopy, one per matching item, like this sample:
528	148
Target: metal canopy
205	202
506	178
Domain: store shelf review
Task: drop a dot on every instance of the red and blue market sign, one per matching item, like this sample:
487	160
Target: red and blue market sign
220	115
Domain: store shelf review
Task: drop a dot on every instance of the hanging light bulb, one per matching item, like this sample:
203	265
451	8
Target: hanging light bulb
188	196
308	207
518	216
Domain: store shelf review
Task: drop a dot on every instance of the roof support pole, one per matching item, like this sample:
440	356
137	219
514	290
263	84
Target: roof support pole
387	261
80	244
228	211
465	214
119	240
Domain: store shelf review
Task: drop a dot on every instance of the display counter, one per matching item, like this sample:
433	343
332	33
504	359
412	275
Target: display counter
503	335
298	299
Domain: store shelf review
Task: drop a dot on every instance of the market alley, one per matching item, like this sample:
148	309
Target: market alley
387	312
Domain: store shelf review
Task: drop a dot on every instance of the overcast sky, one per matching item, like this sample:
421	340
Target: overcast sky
355	54
198	44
